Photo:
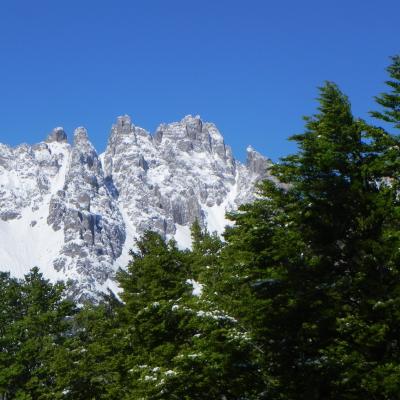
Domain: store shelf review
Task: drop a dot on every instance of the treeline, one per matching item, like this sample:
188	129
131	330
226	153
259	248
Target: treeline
301	300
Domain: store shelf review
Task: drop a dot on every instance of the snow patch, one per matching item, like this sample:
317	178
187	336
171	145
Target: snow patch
197	287
183	237
28	242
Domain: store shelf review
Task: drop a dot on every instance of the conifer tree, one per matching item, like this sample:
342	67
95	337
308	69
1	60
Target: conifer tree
90	364
390	102
11	311
35	324
205	256
316	261
179	345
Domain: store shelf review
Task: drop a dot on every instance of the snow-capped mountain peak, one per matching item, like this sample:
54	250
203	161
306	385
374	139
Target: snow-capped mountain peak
76	214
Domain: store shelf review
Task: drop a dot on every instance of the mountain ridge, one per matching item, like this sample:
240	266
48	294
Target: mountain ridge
75	213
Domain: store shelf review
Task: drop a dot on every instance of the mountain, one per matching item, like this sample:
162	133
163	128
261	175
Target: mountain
75	214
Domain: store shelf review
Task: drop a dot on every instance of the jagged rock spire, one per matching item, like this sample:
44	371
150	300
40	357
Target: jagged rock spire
256	162
124	124
57	135
80	136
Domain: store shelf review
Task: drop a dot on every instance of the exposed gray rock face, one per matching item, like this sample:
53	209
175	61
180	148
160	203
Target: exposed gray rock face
94	230
254	171
57	135
174	176
129	157
26	174
78	213
256	163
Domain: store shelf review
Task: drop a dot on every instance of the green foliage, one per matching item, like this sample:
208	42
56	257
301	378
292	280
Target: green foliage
316	259
391	101
205	258
182	346
155	273
90	364
33	325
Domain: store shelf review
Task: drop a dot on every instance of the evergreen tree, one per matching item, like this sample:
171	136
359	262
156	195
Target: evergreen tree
316	261
391	101
90	364
35	323
11	311
180	345
205	256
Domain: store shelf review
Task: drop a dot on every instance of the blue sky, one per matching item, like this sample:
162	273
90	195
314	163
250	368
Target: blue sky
252	66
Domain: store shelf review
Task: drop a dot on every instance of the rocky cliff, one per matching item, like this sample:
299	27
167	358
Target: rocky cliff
75	213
